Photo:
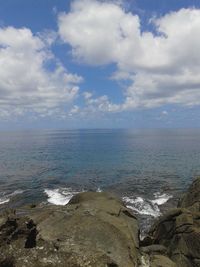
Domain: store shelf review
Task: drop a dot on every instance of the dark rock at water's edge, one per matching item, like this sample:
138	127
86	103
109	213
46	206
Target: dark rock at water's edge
97	230
179	230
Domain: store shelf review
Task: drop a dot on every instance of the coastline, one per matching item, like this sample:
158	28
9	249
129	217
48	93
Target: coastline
97	229
147	209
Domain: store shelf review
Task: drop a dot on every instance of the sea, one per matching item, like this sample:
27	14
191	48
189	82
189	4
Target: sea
148	169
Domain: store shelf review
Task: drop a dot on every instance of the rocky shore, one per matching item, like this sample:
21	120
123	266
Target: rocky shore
97	230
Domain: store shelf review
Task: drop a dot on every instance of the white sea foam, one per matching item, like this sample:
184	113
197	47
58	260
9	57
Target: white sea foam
60	196
147	206
17	192
160	199
5	198
142	206
99	190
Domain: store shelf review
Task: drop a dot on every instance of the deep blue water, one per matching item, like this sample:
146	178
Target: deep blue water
131	163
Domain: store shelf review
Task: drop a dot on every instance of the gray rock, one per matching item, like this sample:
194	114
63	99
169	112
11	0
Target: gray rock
97	230
154	249
179	229
94	229
161	261
192	197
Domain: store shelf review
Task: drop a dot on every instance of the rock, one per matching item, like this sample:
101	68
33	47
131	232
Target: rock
94	229
179	230
192	197
146	241
97	230
161	261
154	249
156	261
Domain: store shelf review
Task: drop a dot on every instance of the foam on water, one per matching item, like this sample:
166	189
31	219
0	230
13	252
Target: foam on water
5	198
149	207
142	206
99	190
146	206
160	199
60	196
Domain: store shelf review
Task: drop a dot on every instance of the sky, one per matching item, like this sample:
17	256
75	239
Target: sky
99	64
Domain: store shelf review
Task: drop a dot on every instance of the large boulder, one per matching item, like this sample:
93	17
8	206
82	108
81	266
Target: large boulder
94	229
179	230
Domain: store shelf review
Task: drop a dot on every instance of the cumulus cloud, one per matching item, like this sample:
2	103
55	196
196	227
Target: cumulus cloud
87	95
164	113
100	104
96	29
31	79
162	66
94	105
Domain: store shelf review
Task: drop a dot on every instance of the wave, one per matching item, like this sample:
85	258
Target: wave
147	206
60	196
160	199
142	206
5	198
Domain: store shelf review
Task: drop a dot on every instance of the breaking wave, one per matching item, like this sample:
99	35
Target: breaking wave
147	206
60	196
5	197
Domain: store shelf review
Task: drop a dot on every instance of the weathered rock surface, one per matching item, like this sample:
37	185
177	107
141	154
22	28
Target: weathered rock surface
97	230
191	200
179	230
94	229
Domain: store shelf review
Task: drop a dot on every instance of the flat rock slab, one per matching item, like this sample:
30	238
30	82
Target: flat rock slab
94	229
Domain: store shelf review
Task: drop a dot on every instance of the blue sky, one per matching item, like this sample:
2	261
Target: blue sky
97	64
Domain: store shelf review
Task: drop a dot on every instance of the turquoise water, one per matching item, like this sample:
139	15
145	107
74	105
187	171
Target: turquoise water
136	164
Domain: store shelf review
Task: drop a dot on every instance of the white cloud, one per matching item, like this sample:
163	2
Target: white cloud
101	104
96	107
74	110
87	95
164	113
95	30
163	66
26	82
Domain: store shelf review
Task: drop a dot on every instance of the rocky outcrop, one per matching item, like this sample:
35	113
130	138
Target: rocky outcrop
191	200
97	230
179	230
94	229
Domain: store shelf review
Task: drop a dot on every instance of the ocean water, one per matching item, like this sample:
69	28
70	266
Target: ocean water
148	169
